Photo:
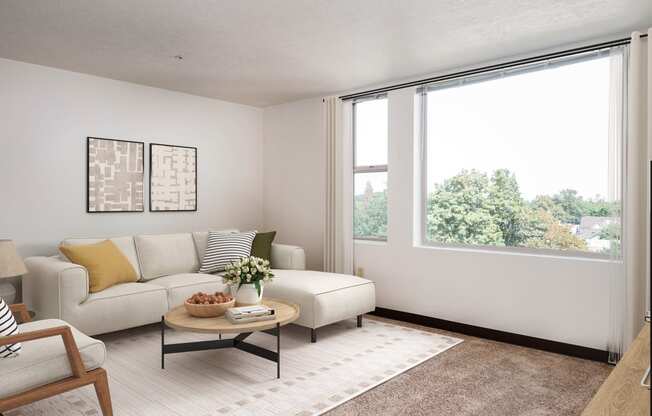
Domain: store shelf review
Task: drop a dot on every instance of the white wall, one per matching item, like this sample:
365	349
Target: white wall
294	176
556	298
46	115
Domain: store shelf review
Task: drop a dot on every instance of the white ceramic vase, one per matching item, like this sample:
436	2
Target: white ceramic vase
247	294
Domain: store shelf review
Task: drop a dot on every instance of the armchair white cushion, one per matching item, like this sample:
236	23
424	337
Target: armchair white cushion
44	361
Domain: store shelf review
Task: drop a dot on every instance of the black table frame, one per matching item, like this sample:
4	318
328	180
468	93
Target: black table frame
237	342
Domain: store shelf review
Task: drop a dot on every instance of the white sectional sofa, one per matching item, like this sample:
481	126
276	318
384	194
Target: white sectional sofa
167	266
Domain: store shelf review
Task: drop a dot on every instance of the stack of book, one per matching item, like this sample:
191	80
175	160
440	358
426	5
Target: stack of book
246	314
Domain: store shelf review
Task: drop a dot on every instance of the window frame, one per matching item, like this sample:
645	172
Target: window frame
422	94
367	168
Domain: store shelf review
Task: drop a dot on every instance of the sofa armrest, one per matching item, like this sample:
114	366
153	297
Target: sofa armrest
53	285
288	257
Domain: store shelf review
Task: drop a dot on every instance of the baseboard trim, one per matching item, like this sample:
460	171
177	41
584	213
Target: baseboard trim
495	335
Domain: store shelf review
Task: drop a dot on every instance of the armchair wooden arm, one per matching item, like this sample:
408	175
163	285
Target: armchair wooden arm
64	332
20	310
80	377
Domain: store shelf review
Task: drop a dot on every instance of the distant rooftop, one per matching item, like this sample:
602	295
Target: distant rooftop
591	226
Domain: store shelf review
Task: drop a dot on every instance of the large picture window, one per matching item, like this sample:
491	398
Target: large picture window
370	169
528	158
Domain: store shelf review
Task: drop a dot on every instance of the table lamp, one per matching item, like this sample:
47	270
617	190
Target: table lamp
11	265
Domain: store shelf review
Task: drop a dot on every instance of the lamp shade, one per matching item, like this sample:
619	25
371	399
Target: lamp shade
11	264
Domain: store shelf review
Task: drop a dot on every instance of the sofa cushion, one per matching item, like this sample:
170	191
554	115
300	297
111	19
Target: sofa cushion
8	327
201	240
224	249
288	257
262	245
315	283
123	290
44	361
125	244
324	297
165	254
121	306
105	263
182	286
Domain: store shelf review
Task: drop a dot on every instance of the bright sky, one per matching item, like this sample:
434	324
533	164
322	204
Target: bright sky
370	143
549	127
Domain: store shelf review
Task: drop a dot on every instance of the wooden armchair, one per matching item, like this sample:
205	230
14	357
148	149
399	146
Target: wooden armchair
80	377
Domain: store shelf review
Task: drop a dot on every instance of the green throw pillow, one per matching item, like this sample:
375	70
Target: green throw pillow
262	245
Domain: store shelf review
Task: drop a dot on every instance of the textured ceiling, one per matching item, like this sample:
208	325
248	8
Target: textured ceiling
272	51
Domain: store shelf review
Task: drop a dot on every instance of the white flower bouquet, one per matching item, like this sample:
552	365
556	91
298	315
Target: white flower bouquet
248	270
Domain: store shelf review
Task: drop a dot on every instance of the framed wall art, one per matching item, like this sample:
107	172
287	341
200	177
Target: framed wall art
172	178
114	175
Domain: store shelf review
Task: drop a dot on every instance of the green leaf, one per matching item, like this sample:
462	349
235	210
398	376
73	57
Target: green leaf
257	284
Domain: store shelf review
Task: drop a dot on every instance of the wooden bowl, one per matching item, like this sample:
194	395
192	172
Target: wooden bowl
208	311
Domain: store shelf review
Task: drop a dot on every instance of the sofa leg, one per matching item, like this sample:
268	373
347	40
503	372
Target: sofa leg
103	395
359	321
313	335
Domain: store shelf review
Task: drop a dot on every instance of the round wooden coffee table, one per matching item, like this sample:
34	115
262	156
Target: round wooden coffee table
179	319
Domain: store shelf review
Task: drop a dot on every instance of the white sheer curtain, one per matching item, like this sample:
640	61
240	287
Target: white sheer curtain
629	296
338	232
616	192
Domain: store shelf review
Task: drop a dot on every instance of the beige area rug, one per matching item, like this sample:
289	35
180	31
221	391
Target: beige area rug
345	362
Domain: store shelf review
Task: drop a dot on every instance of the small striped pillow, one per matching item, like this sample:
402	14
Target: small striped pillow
223	249
8	327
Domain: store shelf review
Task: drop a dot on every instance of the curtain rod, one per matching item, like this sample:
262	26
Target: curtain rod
505	65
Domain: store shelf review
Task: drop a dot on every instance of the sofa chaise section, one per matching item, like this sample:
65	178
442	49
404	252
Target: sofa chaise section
324	298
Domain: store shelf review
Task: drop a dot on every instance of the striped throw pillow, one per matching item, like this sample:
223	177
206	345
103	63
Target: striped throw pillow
8	327
223	249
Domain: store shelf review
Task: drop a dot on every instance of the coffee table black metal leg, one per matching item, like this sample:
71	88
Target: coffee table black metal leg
278	350
162	342
237	342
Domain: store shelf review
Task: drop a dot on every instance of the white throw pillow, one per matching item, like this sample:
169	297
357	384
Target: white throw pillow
223	249
8	327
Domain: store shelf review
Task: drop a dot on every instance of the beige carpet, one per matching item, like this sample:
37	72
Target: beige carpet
346	362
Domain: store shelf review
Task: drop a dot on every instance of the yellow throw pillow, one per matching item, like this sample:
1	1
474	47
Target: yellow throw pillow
106	264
